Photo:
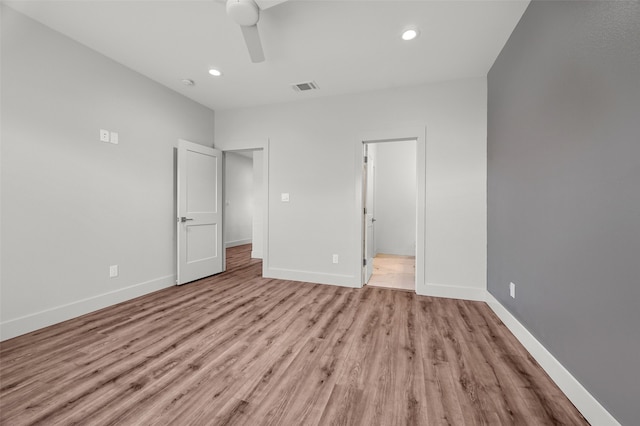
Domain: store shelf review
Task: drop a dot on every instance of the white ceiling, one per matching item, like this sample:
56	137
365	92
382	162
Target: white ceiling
346	46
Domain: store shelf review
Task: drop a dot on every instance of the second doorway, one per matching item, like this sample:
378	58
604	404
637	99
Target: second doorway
389	197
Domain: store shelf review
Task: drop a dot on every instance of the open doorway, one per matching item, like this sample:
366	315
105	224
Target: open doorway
243	205
390	225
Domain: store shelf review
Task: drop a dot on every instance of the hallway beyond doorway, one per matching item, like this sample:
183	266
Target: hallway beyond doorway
393	271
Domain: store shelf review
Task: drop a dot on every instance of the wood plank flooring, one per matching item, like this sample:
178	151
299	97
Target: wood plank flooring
238	349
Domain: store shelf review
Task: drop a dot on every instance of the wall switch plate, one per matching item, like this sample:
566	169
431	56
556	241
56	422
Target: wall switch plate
114	138
104	135
284	197
335	258
512	290
113	271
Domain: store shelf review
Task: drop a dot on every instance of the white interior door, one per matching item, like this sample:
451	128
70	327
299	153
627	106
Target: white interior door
200	246
369	219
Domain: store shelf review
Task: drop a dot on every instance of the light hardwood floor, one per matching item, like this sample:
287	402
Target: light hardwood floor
394	271
241	349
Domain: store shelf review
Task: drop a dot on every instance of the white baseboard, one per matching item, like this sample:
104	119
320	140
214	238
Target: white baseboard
256	254
32	322
237	243
312	277
590	408
452	292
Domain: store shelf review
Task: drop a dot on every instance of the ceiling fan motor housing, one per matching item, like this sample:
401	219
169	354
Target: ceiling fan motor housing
244	12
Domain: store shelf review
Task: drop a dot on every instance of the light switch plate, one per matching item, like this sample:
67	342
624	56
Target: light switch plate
284	197
114	138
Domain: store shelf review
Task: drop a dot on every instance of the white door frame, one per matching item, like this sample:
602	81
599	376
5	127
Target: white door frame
391	135
249	145
368	187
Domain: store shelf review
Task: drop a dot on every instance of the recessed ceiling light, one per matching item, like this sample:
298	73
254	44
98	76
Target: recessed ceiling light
410	34
188	82
215	72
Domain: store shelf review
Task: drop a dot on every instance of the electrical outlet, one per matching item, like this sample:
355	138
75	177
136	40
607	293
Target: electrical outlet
104	135
284	197
512	290
335	258
113	271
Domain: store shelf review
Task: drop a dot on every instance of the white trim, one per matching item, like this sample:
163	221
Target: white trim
313	277
590	408
237	243
38	320
453	292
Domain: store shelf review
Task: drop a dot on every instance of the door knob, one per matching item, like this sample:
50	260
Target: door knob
184	219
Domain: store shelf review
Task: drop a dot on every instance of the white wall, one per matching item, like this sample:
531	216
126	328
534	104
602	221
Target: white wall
395	198
238	193
71	205
311	157
258	205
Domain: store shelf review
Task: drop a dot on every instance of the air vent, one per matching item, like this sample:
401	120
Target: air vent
304	87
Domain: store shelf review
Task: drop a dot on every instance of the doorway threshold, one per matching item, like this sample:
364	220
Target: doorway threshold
393	272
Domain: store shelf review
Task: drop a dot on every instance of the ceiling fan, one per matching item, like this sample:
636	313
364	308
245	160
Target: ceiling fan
246	13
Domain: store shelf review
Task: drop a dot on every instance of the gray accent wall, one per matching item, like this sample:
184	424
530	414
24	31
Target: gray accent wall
564	190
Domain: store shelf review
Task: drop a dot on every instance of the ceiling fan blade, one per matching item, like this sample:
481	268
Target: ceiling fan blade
252	40
266	4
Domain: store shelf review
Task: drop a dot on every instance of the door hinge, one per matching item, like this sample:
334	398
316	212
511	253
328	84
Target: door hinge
364	262
365	210
366	159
